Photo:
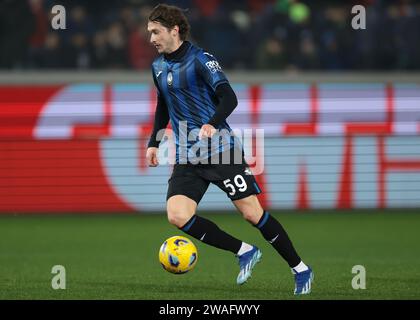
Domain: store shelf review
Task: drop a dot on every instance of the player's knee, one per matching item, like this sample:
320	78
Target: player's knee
177	217
251	209
249	212
251	216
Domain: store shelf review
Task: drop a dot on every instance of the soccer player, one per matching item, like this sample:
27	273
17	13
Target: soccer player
195	95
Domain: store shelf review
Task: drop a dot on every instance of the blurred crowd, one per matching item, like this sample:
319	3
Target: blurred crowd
243	34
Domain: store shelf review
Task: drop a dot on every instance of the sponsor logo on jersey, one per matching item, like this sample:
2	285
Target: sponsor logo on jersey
213	66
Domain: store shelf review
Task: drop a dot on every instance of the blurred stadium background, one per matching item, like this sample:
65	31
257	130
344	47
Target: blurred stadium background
340	109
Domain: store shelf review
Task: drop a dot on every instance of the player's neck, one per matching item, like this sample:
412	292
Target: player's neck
176	47
179	52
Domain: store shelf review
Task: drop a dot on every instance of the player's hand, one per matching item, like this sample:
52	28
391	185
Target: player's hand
151	157
206	131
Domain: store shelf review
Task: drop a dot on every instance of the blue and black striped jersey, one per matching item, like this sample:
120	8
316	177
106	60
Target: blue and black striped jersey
187	86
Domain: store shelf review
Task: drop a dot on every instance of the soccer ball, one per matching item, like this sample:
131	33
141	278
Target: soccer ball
178	255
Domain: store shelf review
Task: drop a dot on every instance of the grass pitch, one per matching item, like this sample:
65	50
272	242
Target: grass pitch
116	257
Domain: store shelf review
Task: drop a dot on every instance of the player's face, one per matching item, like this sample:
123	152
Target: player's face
161	37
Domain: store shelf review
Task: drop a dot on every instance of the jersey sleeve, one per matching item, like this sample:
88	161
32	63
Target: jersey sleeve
155	81
210	70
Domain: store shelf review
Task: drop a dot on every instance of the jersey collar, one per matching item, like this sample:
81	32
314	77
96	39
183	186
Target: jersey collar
179	53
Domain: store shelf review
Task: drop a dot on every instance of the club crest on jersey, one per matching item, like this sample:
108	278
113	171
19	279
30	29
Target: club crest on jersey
169	78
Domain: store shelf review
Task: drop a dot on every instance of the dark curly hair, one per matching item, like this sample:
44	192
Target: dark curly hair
169	17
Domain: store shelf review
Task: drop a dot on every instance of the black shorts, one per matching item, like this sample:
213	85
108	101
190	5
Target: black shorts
192	181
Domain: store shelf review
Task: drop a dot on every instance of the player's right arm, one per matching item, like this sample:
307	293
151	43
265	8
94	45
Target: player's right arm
161	121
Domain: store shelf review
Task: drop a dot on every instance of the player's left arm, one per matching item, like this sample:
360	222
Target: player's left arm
227	103
214	76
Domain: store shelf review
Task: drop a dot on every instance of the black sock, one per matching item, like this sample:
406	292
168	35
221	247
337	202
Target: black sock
274	233
208	232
